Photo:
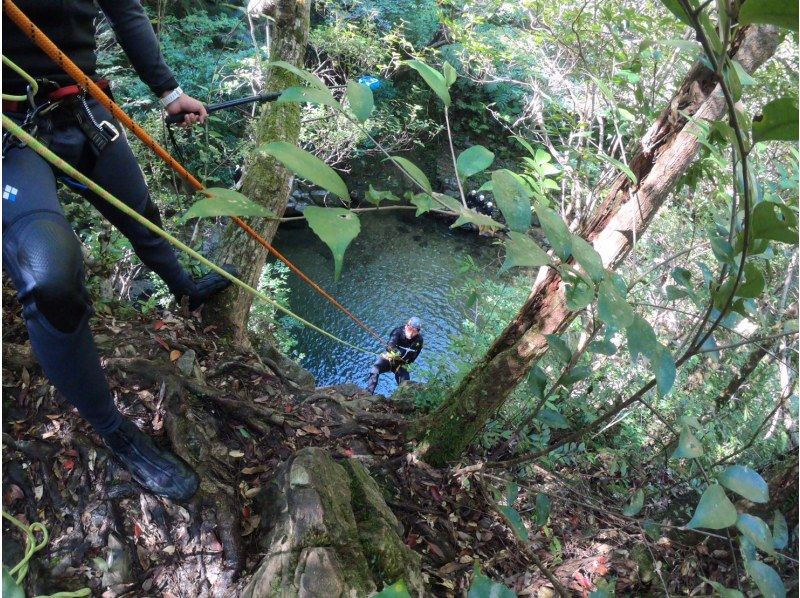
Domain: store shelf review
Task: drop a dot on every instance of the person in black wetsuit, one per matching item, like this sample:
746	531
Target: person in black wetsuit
405	343
41	253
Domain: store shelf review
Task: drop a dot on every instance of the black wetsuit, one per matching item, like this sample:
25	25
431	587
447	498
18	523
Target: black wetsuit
41	253
408	351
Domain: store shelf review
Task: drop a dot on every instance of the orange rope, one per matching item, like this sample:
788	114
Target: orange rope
38	37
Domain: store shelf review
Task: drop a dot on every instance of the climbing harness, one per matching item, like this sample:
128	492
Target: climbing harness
32	546
44	43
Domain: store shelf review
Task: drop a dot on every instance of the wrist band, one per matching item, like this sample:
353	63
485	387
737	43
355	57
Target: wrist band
171	97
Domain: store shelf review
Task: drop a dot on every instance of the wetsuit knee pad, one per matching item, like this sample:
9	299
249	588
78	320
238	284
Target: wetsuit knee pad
50	257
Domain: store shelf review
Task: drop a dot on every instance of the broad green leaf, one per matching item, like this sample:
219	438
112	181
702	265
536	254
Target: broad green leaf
723	591
612	308
433	78
637	502
522	251
652	529
722	250
664	369
689	447
542	509
778	119
413	172
774	221
731	78
691	421
225	202
473	160
512	200
757	531
424	203
605	589
515	521
714	511
780	530
747	550
767	579
772	12
674	6
641	339
512	492
744	77
587	257
10	587
576	374
336	227
621	166
360	99
307	166
468	215
559	347
745	482
553	419
450	74
579	290
375	197
682	276
448	203
537	381
304	75
602	347
396	590
483	587
674	292
558	234
312	95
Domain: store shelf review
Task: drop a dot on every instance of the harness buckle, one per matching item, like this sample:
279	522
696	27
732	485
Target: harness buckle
110	129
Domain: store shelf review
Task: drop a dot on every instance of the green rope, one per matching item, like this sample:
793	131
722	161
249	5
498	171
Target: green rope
31	81
40	149
31	548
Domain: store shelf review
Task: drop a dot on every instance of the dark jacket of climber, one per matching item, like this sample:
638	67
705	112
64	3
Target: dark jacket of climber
42	254
403	348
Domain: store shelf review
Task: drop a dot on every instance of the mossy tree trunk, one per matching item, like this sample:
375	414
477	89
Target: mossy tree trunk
663	156
265	180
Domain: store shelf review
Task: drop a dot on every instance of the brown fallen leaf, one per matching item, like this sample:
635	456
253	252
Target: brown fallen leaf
174	355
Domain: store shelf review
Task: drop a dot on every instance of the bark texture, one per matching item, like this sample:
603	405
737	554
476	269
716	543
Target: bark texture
665	153
265	180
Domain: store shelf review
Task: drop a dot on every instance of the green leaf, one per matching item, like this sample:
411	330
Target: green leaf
674	6
375	197
558	234
559	347
602	347
473	160
723	591
744	77
307	166
637	502
483	587
757	531
10	587
336	227
225	202
714	511
579	290
433	78
413	172
512	199
512	492
641	339
612	307
515	521
682	276
621	166
360	99
664	369
780	226
778	119
537	381
542	509
468	215
311	95
771	12
576	374
450	74
745	482
722	250
780	530
553	419
304	75
674	292
424	203
731	78
767	579
689	447
652	529
396	590
522	251
587	257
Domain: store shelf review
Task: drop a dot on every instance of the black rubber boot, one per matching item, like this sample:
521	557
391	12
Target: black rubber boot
208	285
373	380
159	471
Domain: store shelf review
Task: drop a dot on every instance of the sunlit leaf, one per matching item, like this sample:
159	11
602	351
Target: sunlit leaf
714	511
612	308
674	6
375	197
579	290
225	202
780	530
307	166
636	504
450	74
468	215
311	95
772	12
775	222
522	251
512	200
767	579
473	160
602	347
433	78
587	256
360	99
745	482
413	172
778	119
757	531
555	228
689	447
515	521
423	201
664	369
336	227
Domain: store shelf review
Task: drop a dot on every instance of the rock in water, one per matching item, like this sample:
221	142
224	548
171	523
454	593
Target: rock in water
329	538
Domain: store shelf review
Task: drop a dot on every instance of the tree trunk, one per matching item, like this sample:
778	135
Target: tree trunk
665	153
265	180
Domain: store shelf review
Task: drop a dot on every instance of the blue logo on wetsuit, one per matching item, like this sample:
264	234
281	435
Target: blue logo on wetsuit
10	193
